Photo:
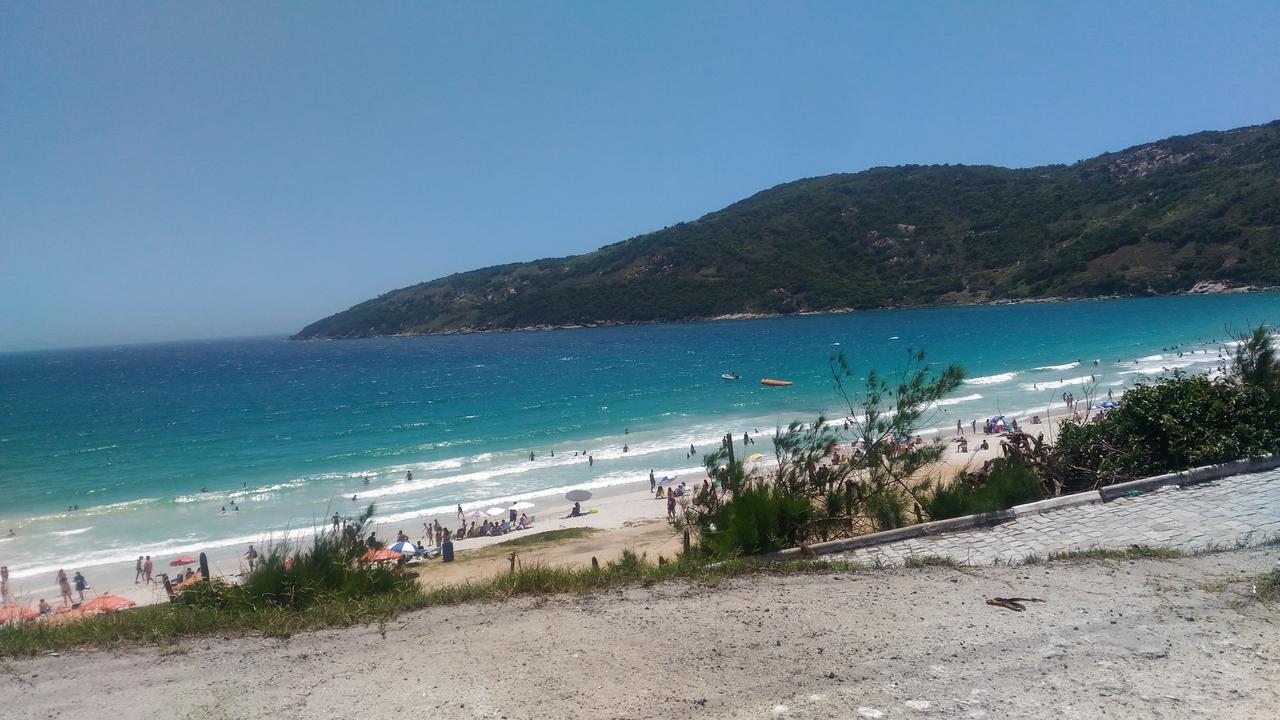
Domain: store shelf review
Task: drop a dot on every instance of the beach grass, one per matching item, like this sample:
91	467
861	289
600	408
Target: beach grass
1129	553
919	561
1267	587
172	625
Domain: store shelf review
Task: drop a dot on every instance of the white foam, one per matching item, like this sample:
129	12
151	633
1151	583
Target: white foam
1064	366
958	400
1156	368
991	379
77	531
1054	384
163	549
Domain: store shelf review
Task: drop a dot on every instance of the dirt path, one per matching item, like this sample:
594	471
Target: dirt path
1132	639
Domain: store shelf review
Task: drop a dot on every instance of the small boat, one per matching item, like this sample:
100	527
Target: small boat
731	376
774	383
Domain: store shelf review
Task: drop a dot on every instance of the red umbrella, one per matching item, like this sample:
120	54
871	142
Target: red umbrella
182	560
381	555
108	603
16	612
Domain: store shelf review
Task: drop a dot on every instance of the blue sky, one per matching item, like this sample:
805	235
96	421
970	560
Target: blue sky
183	170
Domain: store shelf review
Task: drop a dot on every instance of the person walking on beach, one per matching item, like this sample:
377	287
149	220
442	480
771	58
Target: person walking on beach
959	429
671	504
460	512
81	585
652	483
252	555
64	587
147	566
336	522
137	571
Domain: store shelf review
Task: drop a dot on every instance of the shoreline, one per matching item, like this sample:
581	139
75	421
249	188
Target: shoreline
1201	288
627	516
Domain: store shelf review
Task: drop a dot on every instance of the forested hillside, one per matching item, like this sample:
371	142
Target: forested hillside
1157	218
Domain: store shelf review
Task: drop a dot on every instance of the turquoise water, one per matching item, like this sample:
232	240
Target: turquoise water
290	431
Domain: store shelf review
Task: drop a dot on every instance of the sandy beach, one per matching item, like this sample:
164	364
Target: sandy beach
627	516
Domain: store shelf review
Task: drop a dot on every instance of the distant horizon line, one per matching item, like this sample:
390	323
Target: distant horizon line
287	337
144	343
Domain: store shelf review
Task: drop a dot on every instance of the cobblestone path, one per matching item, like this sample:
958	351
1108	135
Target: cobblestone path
1242	509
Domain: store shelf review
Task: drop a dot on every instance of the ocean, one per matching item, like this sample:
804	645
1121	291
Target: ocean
152	441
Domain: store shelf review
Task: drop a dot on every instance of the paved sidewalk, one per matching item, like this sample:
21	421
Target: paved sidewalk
1242	509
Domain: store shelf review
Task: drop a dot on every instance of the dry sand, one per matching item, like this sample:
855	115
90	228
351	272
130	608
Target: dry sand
1131	639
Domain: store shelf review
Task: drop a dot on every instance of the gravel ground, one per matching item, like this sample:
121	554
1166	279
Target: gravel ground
1124	639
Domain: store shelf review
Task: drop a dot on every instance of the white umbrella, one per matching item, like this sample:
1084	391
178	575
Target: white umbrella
522	505
404	548
496	512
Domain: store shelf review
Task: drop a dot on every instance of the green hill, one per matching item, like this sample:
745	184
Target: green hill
1157	218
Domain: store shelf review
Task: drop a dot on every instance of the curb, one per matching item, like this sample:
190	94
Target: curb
1205	473
935	527
1193	476
1062	501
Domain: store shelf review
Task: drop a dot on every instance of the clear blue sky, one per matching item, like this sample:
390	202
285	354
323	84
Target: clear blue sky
183	170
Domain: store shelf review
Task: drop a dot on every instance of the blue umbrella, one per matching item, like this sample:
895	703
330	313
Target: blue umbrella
404	548
1109	404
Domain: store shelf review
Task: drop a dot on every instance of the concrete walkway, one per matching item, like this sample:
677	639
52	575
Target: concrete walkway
1237	510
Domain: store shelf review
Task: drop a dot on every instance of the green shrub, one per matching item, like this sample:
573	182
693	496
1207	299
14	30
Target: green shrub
1008	483
293	577
761	518
1171	424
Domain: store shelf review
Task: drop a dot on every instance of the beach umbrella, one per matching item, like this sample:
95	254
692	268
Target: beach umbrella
755	457
1109	404
182	560
382	555
14	611
404	548
522	505
107	602
477	514
577	496
496	512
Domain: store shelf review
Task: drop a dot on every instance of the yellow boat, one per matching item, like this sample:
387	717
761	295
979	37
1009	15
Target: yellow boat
774	383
